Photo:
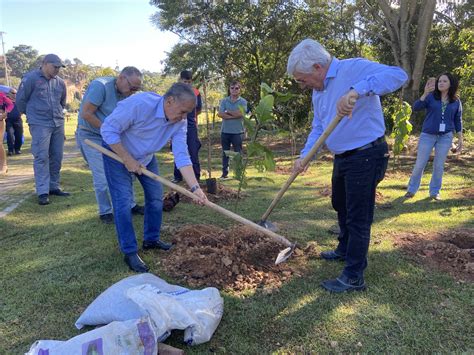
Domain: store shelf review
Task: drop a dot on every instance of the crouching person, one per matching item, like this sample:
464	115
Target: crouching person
140	126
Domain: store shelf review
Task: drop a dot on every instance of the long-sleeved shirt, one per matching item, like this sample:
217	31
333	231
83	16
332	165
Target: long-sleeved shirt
369	79
139	123
42	99
452	117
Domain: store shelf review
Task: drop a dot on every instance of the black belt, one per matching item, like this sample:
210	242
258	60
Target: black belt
376	142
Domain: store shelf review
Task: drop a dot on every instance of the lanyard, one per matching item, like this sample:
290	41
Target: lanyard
444	105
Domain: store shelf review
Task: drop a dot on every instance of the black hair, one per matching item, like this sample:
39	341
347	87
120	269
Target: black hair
453	87
186	75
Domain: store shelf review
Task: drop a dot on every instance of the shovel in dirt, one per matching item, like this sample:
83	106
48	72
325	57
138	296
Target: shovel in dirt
263	221
282	256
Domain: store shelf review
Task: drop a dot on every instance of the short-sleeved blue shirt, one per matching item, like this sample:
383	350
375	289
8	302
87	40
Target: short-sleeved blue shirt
102	92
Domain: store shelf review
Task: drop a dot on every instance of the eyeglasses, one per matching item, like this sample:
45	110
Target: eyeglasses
131	86
235	87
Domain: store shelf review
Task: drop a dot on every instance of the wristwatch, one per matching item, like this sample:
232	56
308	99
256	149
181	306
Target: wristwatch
195	187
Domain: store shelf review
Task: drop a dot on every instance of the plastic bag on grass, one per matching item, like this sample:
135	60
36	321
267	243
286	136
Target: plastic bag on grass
197	312
171	307
113	305
132	337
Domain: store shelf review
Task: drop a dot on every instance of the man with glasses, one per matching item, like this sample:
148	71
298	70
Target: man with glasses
349	88
42	97
231	111
100	99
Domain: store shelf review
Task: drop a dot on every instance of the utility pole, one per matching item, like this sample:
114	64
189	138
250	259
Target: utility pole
4	58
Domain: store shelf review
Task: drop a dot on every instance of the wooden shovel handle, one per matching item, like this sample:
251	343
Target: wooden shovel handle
189	194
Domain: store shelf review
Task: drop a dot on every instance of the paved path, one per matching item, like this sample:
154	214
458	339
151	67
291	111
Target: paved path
18	184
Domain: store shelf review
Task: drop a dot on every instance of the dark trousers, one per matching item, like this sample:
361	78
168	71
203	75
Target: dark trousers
14	135
354	181
194	145
228	139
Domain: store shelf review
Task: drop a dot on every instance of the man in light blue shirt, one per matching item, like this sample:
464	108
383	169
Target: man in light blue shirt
140	126
358	142
42	97
100	99
232	130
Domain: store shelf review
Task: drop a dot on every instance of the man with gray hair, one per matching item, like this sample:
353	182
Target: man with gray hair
140	126
100	99
350	88
42	97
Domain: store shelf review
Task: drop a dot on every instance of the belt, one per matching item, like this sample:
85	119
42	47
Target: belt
376	142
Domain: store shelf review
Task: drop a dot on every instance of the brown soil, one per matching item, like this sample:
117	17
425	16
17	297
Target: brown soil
237	258
450	251
224	193
284	169
466	194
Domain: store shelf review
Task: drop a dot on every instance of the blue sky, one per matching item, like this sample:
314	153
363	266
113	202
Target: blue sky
106	32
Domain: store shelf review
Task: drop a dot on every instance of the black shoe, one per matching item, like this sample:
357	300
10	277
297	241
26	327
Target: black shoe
344	284
107	218
158	244
135	263
18	151
223	177
59	192
176	181
137	209
43	199
331	255
10	153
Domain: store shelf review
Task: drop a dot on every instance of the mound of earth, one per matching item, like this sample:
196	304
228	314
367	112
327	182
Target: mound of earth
224	193
450	251
237	258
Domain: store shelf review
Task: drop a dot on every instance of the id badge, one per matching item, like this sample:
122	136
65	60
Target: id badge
442	127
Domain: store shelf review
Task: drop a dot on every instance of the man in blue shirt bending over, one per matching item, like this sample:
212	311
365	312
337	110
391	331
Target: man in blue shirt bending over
358	142
140	126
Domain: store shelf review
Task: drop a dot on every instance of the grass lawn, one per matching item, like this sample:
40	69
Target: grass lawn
56	259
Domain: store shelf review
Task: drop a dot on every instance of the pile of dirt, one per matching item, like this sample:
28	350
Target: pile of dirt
450	251
237	258
224	193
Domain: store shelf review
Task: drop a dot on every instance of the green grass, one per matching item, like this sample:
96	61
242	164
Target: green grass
56	259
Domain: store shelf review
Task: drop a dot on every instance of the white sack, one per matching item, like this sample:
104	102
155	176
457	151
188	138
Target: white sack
131	337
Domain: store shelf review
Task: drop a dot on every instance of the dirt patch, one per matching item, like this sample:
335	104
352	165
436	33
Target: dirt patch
326	191
237	258
284	169
450	251
466	194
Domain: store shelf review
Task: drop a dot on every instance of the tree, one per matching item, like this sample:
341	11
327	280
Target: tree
20	59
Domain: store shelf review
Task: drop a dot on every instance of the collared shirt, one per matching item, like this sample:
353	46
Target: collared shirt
5	89
369	79
42	99
102	93
452	117
140	125
233	125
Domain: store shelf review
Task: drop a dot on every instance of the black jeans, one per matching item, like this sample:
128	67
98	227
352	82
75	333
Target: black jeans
194	145
228	139
14	135
354	180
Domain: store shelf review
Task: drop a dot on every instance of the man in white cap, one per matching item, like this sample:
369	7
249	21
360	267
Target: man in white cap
42	97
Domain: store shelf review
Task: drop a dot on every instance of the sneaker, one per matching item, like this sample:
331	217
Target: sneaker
107	218
43	199
59	192
224	177
18	151
409	195
10	153
176	181
138	210
435	197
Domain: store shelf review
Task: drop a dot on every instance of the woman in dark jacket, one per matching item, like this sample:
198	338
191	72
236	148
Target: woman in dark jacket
443	117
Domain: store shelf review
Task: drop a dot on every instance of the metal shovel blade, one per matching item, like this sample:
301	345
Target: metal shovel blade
268	225
285	254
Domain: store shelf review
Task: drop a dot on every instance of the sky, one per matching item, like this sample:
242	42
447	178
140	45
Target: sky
98	32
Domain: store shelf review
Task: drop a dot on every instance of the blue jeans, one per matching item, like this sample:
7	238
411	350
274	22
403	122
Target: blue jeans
47	144
354	181
441	144
228	139
94	159
120	187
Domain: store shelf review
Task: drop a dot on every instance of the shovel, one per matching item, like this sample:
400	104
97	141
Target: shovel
283	255
263	221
